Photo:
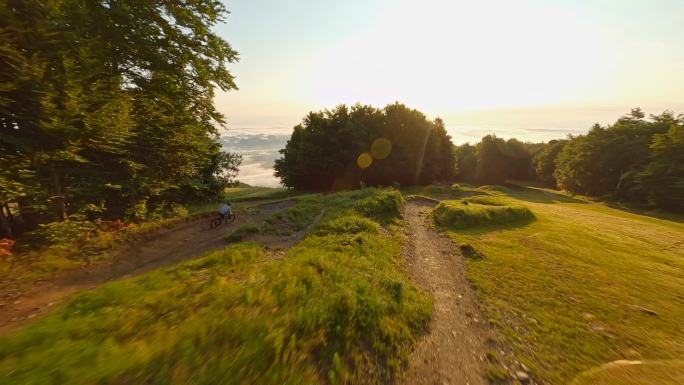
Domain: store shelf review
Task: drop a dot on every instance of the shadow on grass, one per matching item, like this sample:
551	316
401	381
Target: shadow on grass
485	229
538	195
646	211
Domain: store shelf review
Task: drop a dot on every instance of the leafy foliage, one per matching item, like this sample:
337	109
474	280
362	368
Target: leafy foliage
662	179
342	148
634	159
545	162
110	103
494	160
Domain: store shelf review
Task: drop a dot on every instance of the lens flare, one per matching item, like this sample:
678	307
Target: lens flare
364	160
381	148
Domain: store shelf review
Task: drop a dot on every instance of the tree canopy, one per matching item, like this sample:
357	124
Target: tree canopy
346	146
110	104
636	159
494	160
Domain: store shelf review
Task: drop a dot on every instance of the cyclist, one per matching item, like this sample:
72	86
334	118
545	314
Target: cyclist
225	210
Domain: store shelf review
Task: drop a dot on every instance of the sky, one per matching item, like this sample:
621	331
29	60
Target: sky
531	69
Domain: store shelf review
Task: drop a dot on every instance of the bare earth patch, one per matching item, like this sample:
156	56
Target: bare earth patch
164	248
454	350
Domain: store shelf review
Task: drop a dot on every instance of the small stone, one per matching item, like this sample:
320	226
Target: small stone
522	377
524	367
646	310
30	316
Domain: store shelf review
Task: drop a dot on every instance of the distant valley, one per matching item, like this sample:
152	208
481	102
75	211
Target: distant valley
259	151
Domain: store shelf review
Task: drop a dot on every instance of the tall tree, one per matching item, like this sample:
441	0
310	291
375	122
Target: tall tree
493	166
662	179
466	162
111	102
340	148
545	162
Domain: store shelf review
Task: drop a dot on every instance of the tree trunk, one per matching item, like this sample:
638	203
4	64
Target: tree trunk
4	223
59	197
9	212
619	184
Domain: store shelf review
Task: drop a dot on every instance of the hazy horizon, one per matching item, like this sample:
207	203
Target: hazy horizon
531	69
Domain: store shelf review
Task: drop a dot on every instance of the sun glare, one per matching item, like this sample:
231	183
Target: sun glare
454	56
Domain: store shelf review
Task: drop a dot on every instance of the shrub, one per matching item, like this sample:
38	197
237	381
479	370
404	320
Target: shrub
381	204
466	214
66	234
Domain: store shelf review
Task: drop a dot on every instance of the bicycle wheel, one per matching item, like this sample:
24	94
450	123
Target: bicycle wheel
230	219
215	222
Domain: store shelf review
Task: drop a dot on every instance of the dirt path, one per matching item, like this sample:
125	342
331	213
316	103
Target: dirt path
453	351
167	247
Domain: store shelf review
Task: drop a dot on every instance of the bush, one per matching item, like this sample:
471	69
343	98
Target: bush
382	204
466	214
66	234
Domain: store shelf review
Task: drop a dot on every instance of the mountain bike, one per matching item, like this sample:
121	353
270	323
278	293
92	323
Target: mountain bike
218	220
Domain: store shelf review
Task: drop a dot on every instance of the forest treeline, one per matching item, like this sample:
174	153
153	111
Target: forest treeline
348	147
635	159
106	107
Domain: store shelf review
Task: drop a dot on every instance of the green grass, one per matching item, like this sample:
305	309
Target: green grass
243	232
577	287
286	222
635	373
295	218
238	194
44	261
474	212
338	308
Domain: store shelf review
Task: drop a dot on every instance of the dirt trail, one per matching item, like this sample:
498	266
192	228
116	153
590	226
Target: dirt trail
166	247
453	351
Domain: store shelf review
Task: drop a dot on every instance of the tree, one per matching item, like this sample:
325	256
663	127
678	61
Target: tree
466	162
606	160
544	161
111	102
662	179
340	148
493	166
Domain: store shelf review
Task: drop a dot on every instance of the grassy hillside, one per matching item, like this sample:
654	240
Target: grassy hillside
337	308
582	285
